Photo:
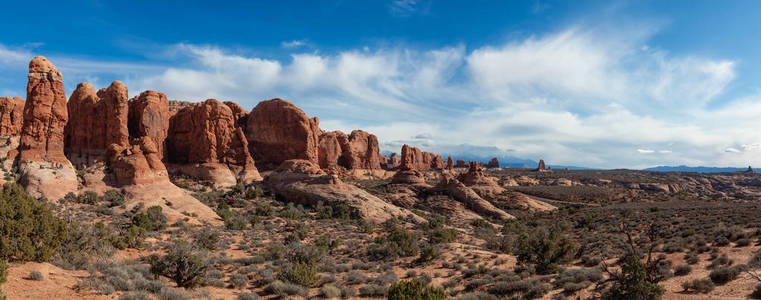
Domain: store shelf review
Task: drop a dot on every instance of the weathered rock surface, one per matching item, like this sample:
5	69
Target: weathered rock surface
149	117
302	181
408	174
461	164
11	115
450	163
359	150
475	176
493	163
97	121
45	114
278	131
541	167
469	197
205	135
43	167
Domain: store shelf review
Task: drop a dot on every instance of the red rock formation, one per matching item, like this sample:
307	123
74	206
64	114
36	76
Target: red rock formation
475	176
394	161
45	114
450	163
493	163
330	149
11	115
240	115
97	121
541	166
362	152
460	164
149	117
278	131
437	162
137	163
206	133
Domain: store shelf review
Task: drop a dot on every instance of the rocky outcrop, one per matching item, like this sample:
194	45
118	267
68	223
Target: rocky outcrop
359	150
149	117
43	167
97	121
205	136
138	163
460	164
331	148
475	176
493	163
408	172
541	167
45	114
470	198
303	182
278	131
450	163
11	115
240	115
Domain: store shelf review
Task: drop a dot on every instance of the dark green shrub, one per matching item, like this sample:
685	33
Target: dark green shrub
28	229
113	198
207	239
300	273
223	210
414	290
633	283
84	243
153	219
88	197
724	274
184	264
547	246
682	270
398	243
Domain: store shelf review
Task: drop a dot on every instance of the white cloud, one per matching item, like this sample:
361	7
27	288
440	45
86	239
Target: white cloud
293	44
574	97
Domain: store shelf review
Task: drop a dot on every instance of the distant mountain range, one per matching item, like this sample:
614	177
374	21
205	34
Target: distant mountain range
695	169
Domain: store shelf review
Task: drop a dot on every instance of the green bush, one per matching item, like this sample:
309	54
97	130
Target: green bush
28	229
88	197
113	198
84	243
398	243
184	264
633	282
702	286
303	274
547	246
414	290
152	220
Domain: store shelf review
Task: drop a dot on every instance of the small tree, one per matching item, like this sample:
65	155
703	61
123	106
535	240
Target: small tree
28	229
547	246
185	264
153	219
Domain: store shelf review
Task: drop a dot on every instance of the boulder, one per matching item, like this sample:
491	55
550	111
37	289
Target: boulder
11	115
278	131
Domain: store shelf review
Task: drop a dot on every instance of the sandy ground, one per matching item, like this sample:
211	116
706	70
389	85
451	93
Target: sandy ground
58	283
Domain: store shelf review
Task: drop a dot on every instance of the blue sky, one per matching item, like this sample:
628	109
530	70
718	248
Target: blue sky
593	83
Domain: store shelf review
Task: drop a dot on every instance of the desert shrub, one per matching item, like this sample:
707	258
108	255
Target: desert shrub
28	229
429	253
755	261
632	282
133	237
577	279
168	293
36	275
152	220
223	210
263	209
113	198
743	242
236	221
207	238
88	197
300	273
692	258
528	288
373	290
184	263
442	235
136	295
703	286
291	212
682	270
330	291
397	243
409	290
590	261
280	288
547	245
84	243
355	277
239	281
248	296
724	274
3	276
